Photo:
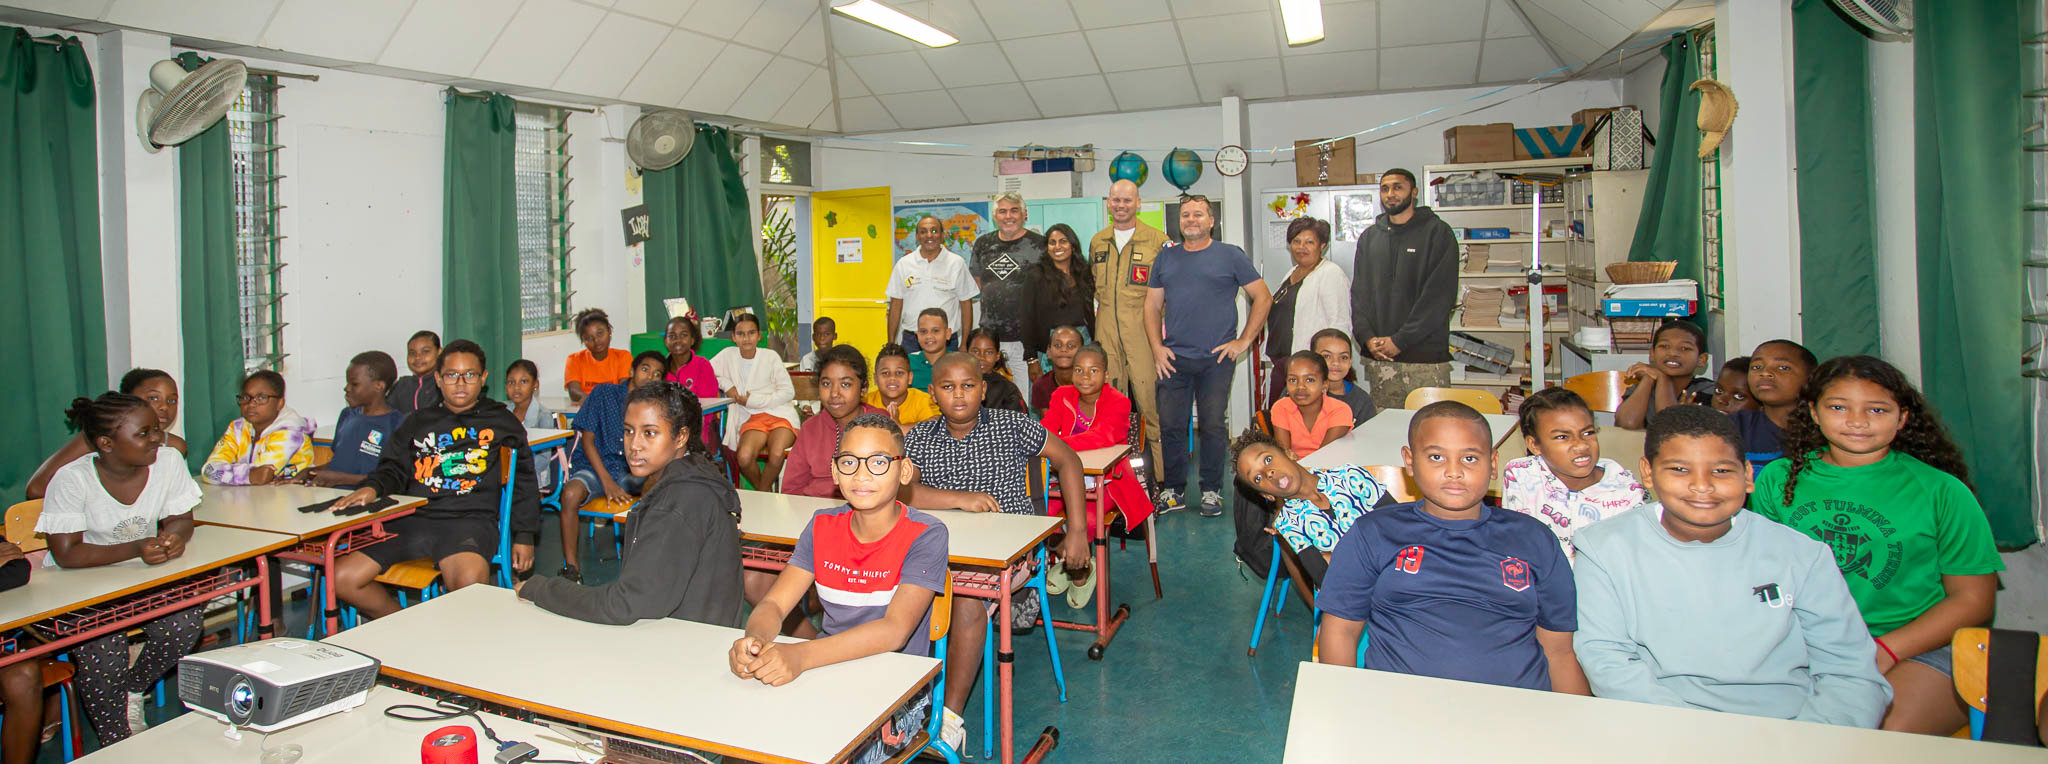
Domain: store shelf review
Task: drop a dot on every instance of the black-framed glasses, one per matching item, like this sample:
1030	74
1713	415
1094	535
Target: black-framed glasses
878	464
465	377
261	398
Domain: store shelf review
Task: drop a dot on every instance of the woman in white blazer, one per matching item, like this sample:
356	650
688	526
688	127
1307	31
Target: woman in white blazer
1316	295
760	420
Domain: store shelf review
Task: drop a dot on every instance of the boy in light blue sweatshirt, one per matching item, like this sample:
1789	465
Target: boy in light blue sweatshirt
1696	602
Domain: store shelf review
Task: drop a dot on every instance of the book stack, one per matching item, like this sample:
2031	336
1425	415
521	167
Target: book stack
1482	305
1485	258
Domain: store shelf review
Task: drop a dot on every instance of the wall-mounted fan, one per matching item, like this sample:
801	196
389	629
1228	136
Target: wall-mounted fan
1884	19
660	139
179	105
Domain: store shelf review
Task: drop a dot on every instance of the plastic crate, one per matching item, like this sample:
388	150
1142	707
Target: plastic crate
1481	349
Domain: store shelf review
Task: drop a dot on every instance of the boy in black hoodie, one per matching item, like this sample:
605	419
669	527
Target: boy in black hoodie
684	558
1403	287
454	455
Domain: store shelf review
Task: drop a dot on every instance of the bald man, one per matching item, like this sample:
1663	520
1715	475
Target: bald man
1123	255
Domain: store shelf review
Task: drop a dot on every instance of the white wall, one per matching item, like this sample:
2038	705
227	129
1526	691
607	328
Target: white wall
1644	89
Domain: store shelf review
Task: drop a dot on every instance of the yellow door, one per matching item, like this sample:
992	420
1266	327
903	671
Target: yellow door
851	255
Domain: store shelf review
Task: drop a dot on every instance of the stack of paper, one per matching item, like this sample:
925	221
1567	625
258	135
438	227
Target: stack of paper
1483	305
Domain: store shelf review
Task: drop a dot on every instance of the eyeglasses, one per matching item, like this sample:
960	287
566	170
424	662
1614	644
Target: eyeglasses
878	464
257	398
465	377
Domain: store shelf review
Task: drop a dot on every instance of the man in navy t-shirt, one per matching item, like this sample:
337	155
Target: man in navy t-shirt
1191	319
1451	587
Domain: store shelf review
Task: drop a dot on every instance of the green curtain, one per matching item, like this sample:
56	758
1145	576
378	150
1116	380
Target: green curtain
479	235
1668	229
700	246
209	302
1971	183
1837	235
53	321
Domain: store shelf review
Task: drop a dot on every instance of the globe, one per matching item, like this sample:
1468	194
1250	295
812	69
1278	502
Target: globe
1182	168
1129	166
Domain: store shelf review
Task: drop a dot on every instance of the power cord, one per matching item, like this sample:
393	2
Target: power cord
445	710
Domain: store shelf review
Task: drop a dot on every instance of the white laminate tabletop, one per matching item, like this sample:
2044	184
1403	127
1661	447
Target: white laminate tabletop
1378	441
1095	461
980	539
663	679
55	591
535	436
1342	714
362	734
715	405
275	508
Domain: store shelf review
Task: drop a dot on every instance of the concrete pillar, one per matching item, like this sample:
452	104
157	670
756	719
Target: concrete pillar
1760	222
1237	224
138	216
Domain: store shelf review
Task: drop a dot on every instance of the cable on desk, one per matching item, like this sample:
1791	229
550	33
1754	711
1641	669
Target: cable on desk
445	710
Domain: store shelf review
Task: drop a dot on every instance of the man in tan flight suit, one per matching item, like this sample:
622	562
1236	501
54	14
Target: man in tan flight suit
1122	256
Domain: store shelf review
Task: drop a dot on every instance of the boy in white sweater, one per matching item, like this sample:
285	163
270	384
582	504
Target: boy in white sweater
1699	603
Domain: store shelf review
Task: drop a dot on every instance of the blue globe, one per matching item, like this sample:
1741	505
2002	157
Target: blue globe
1129	166
1182	168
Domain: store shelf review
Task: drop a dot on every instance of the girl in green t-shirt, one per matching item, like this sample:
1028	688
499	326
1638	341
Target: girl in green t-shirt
1870	472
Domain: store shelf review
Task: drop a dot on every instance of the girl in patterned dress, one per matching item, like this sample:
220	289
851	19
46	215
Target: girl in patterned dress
1563	481
1316	507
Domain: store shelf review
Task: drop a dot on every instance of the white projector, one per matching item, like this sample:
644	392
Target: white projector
275	683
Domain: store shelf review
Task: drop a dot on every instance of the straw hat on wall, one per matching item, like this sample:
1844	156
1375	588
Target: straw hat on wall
1717	114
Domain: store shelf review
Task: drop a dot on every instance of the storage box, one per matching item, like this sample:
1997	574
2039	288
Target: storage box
1013	167
1326	164
1675	289
1043	185
1549	142
1481	355
1587	117
1486	233
1641	308
1060	164
1480	143
1469	191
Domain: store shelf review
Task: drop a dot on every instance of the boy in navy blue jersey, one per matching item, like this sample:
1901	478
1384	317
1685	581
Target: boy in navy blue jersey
1453	588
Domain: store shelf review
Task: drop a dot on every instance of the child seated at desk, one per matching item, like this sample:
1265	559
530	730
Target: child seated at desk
691	369
1060	348
1307	417
1667	380
598	363
130	498
1089	414
453	455
934	339
1731	387
893	392
1696	603
824	333
155	388
419	389
270	443
987	349
1453	588
599	465
1563	482
876	563
760	421
979	459
522	383
362	429
684	559
1316	507
841	375
22	695
1777	371
1335	348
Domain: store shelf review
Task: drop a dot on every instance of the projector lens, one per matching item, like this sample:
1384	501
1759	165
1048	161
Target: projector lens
241	698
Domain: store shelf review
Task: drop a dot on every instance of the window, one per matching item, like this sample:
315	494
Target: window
252	137
785	161
540	171
1710	192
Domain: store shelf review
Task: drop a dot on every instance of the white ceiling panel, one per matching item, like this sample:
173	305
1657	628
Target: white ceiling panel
539	42
1152	88
613	54
318	28
422	42
77	9
1050	57
1193	8
919	110
774	23
827	121
970	65
1355	71
857	38
803	106
1143	46
1230	38
996	103
1257	78
1095	15
959	18
850	85
1351	26
668	12
1583	17
1071	95
668	75
894	73
224	20
1019	18
1502	20
862	115
1573	45
1425	66
770	90
725	79
809	41
1630	14
719	18
1421	22
1514	59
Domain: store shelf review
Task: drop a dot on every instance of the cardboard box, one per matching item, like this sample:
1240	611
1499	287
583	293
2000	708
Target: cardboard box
1327	164
1639	308
1479	143
1044	185
1587	117
1549	142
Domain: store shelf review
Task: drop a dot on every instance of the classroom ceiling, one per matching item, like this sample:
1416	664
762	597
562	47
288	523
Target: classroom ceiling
791	64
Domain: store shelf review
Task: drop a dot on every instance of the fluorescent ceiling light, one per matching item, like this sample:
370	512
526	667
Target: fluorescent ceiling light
892	20
1303	19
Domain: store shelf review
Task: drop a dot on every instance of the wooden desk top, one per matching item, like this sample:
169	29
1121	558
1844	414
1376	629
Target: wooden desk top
664	679
275	508
55	591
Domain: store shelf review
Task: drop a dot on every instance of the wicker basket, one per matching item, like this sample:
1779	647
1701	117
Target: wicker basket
1640	272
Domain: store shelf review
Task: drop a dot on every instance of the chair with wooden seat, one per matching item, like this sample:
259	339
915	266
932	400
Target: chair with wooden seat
1603	390
424	576
2001	675
21	530
598	508
1481	400
942	622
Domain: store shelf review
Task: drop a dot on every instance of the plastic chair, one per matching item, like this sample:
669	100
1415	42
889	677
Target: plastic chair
424	575
1481	400
1603	390
597	508
942	621
1971	649
21	525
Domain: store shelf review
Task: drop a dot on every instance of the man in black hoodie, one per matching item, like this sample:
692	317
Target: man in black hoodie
1403	286
453	454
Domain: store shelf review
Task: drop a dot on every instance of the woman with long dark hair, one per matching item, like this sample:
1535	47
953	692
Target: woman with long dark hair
1064	291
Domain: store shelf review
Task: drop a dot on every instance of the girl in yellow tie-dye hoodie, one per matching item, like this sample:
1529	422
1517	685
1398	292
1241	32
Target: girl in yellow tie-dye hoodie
268	444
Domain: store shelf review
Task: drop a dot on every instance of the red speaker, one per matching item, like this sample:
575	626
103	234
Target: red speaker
453	744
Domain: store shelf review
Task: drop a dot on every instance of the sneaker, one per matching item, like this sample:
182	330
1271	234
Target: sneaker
1169	501
952	729
571	573
1212	504
136	703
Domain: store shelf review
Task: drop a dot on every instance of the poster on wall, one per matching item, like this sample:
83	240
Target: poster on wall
1351	212
962	218
847	250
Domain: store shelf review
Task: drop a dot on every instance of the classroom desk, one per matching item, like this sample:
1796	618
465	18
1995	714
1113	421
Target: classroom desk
1625	447
362	734
78	605
323	537
664	680
1346	714
990	554
1095	463
538	438
1378	441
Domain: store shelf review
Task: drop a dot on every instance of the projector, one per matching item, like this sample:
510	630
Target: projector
276	683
